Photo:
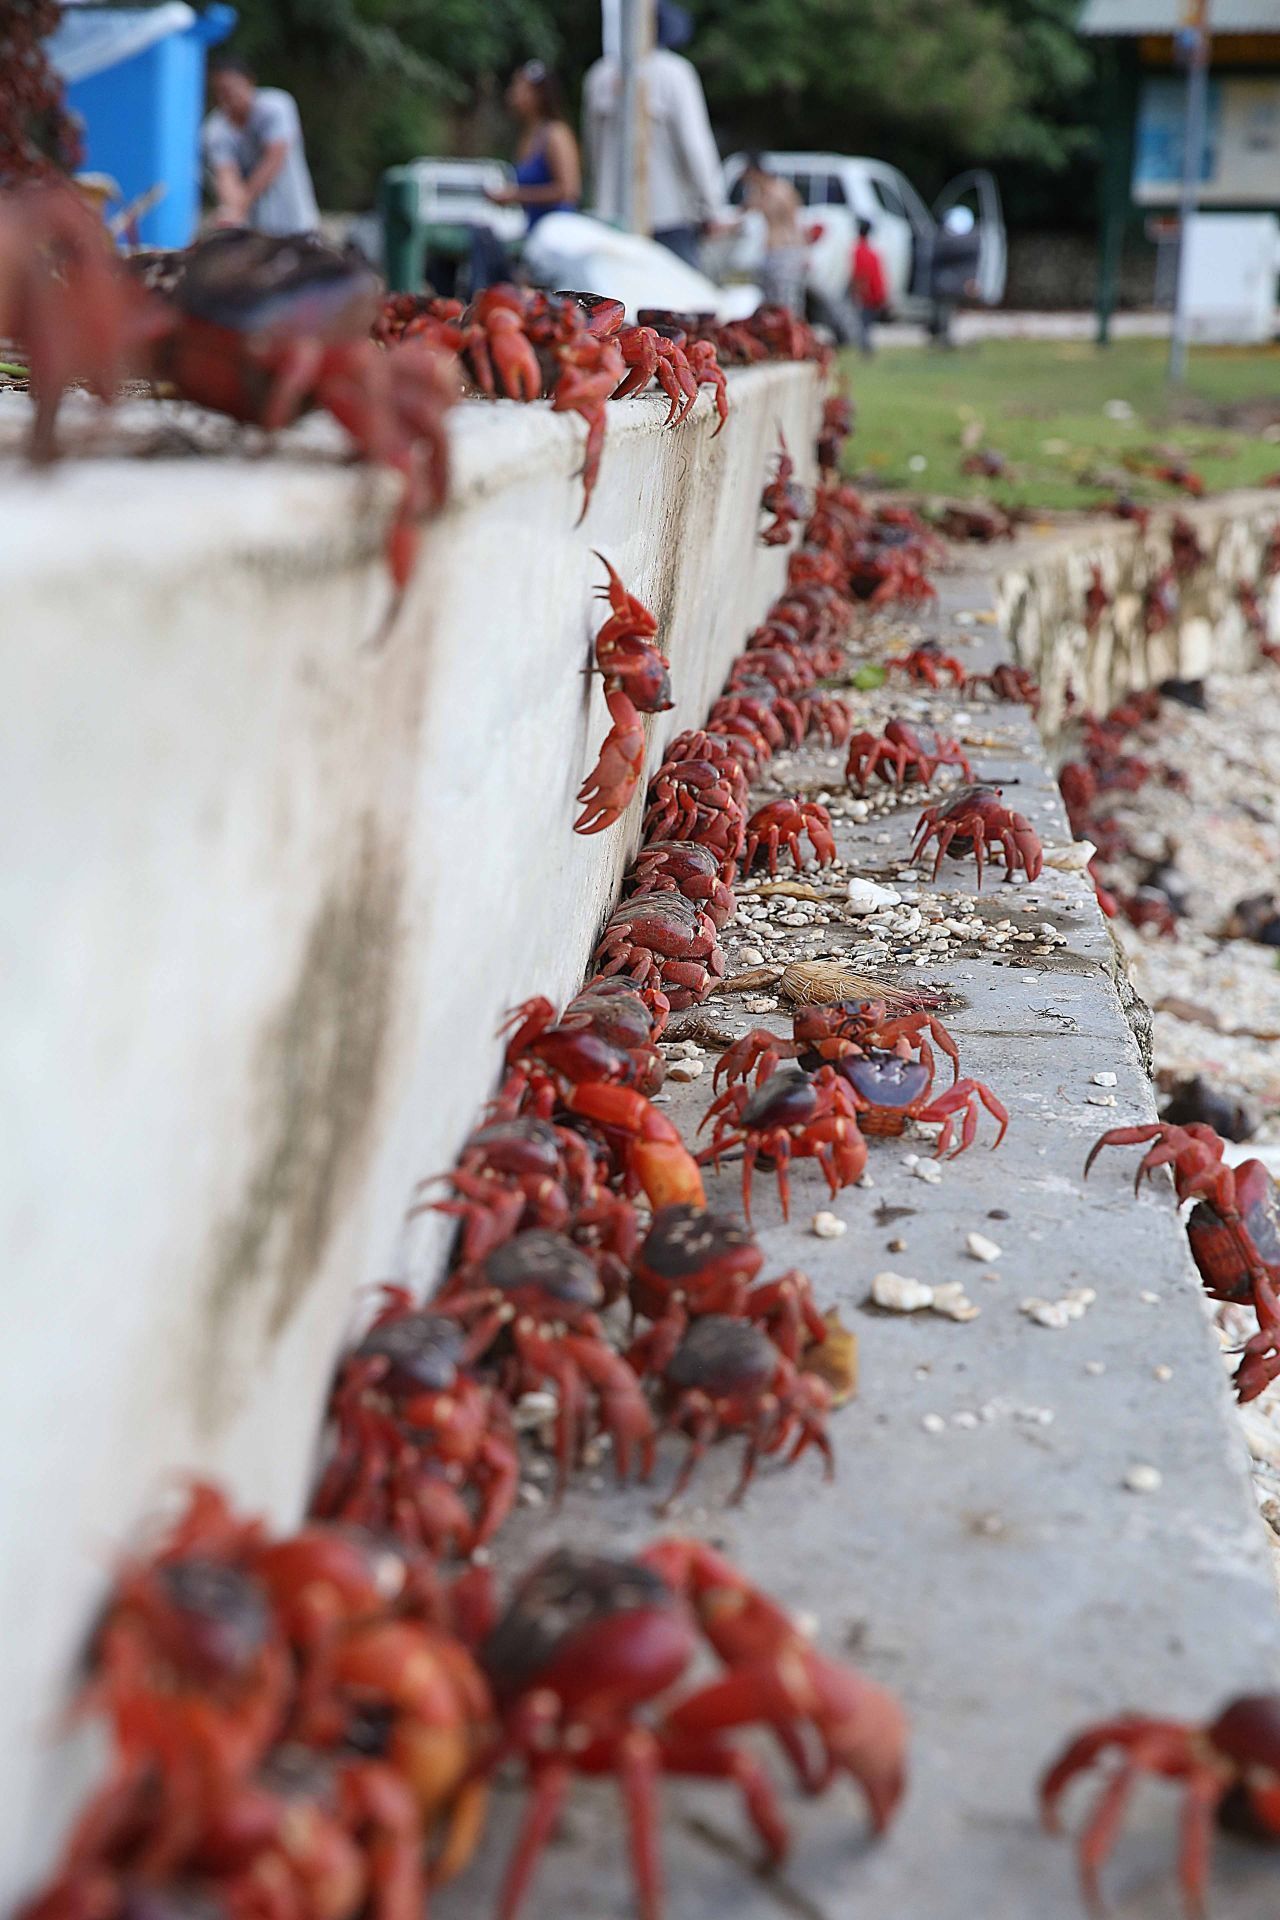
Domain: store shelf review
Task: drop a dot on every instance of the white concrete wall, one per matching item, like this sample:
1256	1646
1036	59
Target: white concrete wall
269	882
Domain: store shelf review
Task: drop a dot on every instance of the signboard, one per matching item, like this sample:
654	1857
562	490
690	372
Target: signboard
1240	162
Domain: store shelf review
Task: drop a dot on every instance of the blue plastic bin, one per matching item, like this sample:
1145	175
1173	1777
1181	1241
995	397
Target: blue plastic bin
142	114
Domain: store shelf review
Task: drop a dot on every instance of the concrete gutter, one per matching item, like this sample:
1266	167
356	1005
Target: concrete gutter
998	1573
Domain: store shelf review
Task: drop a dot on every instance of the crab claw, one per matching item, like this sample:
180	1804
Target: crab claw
665	1169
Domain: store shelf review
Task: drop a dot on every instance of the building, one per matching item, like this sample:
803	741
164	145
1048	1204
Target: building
1144	91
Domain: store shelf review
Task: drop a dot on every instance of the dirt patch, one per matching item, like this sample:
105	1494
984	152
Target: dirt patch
320	1066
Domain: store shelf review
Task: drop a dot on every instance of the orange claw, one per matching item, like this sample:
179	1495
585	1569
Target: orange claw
665	1169
609	788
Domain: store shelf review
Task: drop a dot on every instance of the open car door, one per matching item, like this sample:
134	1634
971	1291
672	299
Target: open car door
978	191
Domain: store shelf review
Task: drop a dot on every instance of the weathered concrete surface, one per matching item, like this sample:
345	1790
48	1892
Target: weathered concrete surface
271	876
999	1574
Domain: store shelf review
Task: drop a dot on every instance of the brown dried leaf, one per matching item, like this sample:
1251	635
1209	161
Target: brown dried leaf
750	981
1188	1010
794	890
835	1359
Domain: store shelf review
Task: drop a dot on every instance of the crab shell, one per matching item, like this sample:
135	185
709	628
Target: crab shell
687	1251
566	1627
723	1357
549	1267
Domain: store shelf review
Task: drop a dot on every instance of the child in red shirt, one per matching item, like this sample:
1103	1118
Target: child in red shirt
870	292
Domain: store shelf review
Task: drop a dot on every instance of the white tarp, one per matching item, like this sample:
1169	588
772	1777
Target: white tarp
88	41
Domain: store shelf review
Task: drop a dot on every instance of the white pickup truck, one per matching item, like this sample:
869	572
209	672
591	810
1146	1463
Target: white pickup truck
913	241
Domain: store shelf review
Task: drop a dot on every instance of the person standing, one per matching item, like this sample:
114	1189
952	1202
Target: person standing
548	167
782	274
867	281
254	154
685	189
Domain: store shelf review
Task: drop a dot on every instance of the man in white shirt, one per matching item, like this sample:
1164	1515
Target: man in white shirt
253	151
685	189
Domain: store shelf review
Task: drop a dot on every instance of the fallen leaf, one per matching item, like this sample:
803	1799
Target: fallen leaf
834	1359
794	890
1198	1016
869	676
749	981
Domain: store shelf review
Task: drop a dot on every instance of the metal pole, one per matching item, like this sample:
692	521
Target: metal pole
628	103
1196	30
633	138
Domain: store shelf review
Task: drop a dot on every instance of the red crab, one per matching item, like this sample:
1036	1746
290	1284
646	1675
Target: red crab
755	710
900	757
530	1311
976	820
693	1262
636	681
1229	1771
665	938
414	1434
1124	507
258	328
888	1090
696	799
975	520
1160	602
929	665
1007	682
727	1376
824	1036
781	823
649	1148
590	373
837	425
794	1115
514	1173
782	498
1233	1228
605	1033
588	1643
1185	550
682	866
333	1837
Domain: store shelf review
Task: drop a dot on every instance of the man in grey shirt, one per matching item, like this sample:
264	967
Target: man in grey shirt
253	152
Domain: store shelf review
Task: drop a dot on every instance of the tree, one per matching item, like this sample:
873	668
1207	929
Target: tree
931	84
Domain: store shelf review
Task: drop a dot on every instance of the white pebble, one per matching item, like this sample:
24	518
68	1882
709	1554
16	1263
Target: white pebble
978	1247
1104	1079
531	1496
686	1069
1162	1373
752	957
952	1302
1149	1297
1142	1478
828	1226
899	1293
968	1421
1095	1367
1101	1099
929	1171
1059	1313
866	897
933	1423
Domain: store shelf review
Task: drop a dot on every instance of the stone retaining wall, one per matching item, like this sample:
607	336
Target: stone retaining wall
1041	597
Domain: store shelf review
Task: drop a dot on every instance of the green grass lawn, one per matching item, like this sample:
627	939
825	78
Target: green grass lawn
1044	406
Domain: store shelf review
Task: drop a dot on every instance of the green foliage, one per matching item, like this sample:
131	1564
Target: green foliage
931	84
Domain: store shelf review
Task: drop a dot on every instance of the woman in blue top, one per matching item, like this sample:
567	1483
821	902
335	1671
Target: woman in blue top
548	166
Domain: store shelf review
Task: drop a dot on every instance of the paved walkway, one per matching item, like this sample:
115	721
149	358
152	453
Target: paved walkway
979	1550
969	328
